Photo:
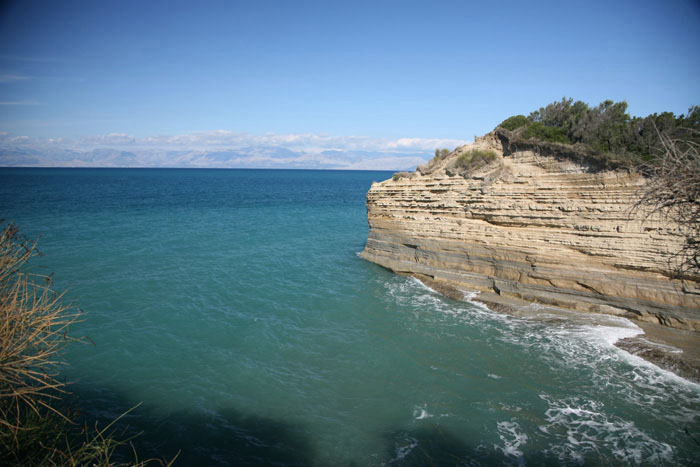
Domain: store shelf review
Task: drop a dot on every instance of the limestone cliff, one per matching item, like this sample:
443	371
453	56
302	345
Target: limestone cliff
534	224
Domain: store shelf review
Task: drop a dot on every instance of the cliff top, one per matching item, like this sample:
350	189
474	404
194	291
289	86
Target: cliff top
604	137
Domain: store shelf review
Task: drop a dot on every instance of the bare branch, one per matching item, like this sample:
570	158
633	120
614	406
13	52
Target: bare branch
673	191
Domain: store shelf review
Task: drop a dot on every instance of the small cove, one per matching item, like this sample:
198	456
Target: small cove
233	306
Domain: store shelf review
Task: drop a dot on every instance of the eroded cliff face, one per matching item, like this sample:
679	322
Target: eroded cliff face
535	227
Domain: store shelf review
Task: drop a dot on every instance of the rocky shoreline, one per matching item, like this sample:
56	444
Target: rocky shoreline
674	350
670	349
535	225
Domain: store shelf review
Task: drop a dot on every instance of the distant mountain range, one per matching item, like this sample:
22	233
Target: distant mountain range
263	157
222	149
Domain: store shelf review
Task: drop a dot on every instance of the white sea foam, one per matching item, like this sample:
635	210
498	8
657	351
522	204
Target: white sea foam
589	339
470	295
610	334
513	439
580	338
585	429
610	330
401	451
534	307
579	429
649	375
471	298
422	284
412	293
509	408
420	413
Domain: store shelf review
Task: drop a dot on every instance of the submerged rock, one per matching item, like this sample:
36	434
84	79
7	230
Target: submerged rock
666	357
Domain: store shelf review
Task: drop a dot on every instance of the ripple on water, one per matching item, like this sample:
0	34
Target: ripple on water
237	297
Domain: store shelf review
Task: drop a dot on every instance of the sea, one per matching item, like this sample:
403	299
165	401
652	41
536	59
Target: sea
229	318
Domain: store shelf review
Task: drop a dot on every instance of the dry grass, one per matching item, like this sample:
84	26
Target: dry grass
33	329
34	323
474	159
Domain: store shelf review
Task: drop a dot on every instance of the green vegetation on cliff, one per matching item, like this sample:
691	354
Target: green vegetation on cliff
441	153
474	158
606	128
664	147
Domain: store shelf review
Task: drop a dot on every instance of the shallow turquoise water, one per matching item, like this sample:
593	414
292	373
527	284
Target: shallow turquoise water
233	305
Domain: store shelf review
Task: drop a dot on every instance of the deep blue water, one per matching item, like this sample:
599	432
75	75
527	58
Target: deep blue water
232	304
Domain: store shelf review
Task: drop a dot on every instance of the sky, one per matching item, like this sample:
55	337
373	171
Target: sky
324	84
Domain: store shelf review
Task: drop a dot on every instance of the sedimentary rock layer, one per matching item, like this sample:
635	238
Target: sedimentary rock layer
536	227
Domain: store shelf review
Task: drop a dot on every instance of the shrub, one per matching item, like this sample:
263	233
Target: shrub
514	122
606	128
541	132
34	323
33	331
474	159
429	166
441	153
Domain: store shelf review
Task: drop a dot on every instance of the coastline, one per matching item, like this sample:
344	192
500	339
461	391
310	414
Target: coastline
671	349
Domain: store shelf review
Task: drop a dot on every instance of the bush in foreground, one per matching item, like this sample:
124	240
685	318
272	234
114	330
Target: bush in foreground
35	426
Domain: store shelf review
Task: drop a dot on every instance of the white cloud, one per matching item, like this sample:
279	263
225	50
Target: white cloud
112	139
424	144
18	139
19	58
305	141
387	163
9	77
224	148
19	103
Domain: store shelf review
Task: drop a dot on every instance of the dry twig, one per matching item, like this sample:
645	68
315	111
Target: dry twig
673	191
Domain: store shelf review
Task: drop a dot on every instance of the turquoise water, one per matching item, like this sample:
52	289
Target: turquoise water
232	304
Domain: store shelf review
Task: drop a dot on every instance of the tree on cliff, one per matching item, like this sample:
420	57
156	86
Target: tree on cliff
605	129
664	147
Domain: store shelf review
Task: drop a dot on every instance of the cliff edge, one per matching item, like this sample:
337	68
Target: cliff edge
539	223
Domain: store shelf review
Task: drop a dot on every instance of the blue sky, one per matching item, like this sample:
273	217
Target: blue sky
383	71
